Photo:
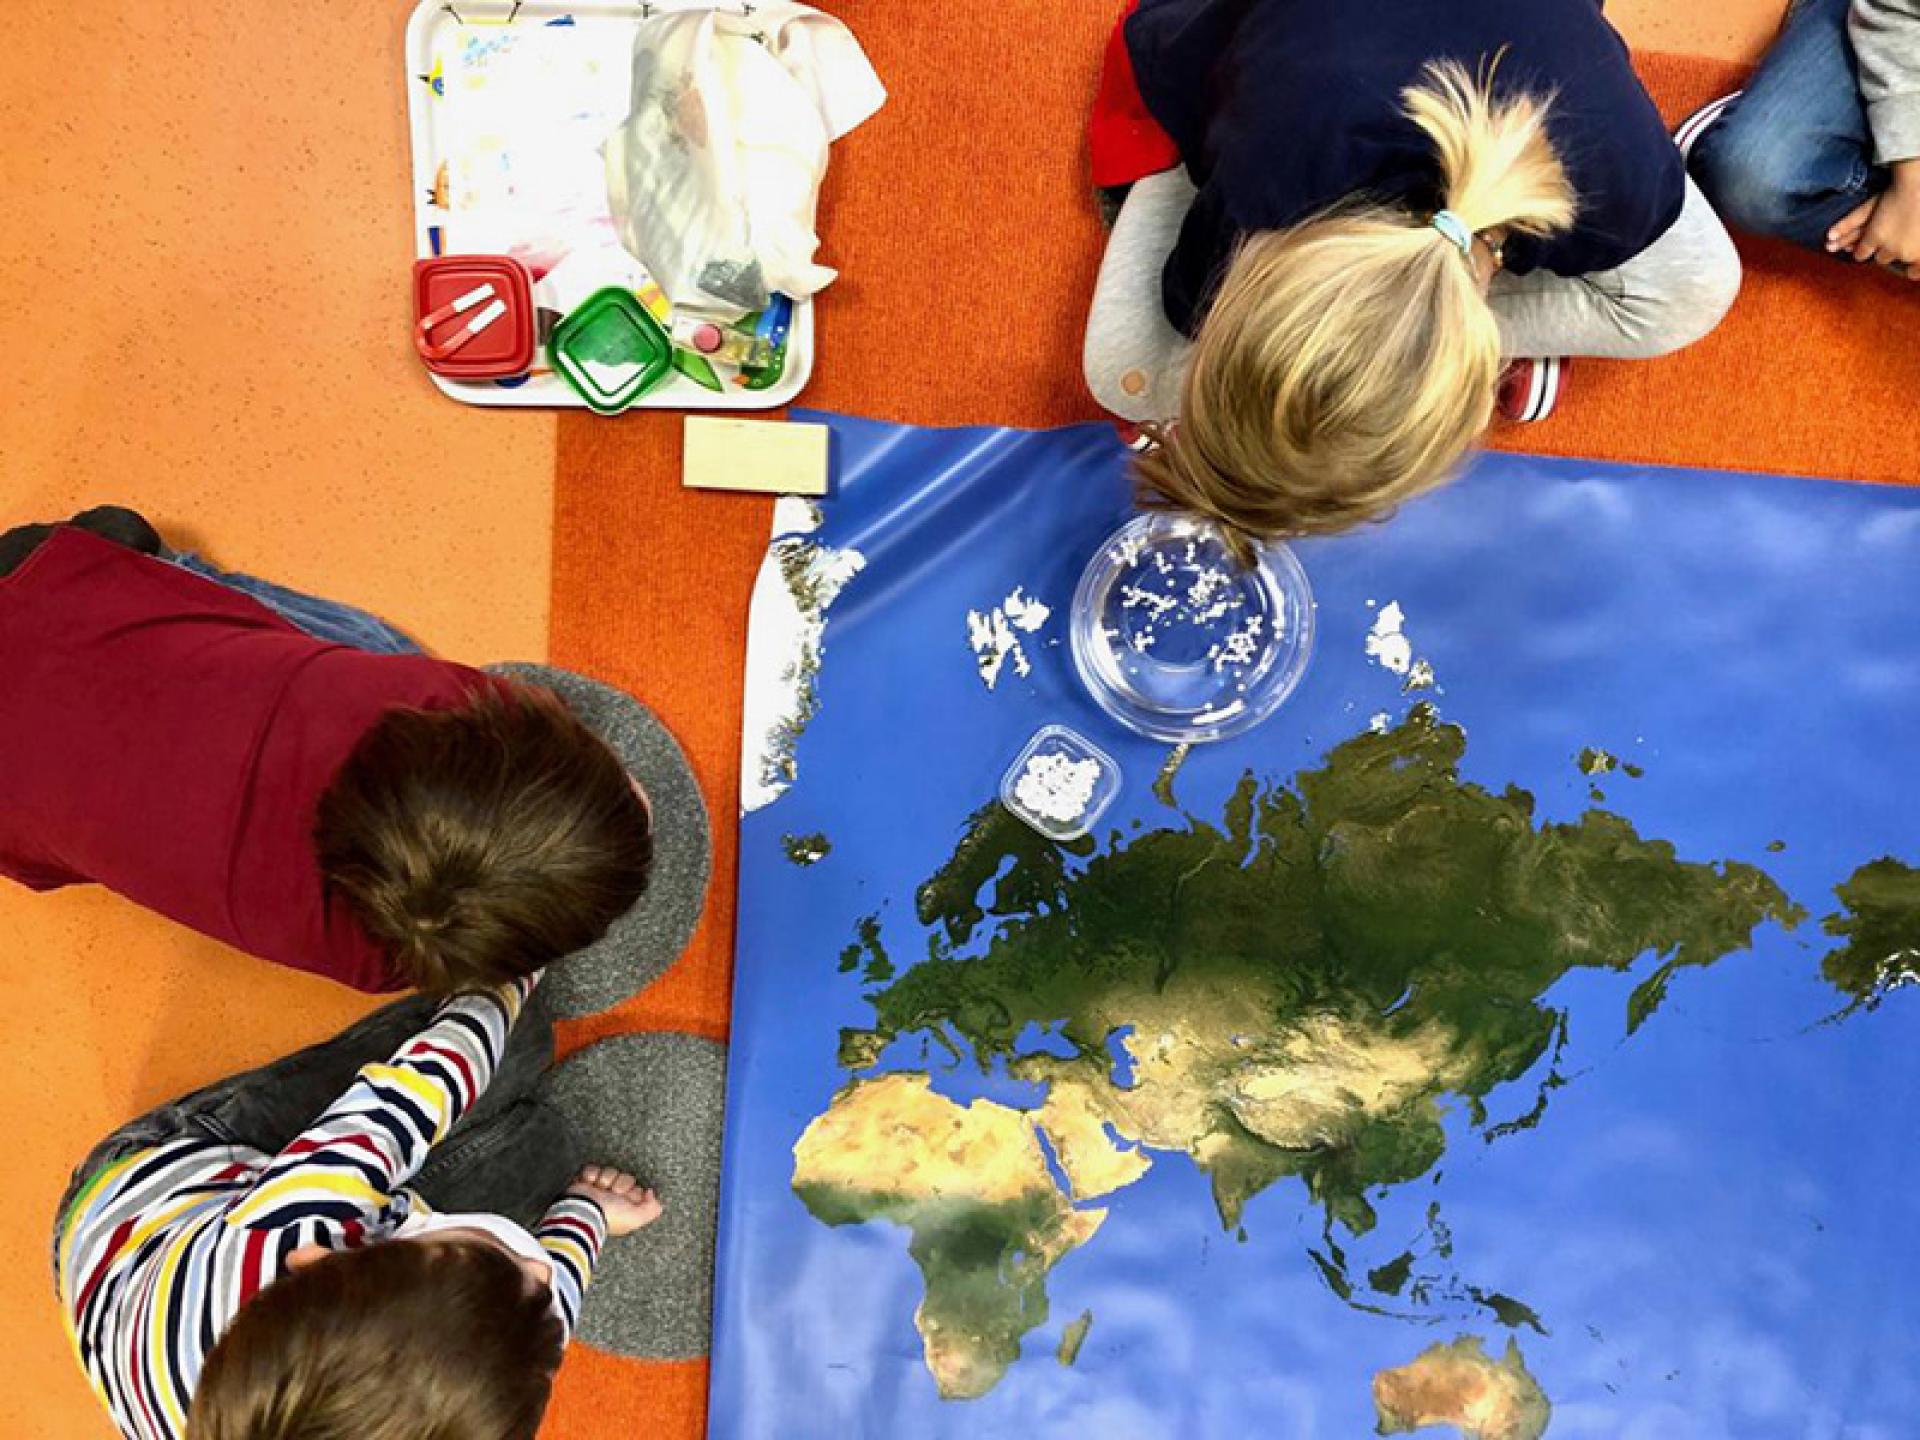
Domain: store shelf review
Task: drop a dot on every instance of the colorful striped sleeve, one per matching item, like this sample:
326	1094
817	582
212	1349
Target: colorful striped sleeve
346	1166
573	1231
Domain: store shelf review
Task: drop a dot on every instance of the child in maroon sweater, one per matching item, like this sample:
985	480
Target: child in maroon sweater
384	819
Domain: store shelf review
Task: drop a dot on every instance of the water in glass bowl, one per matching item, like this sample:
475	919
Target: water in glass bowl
1178	640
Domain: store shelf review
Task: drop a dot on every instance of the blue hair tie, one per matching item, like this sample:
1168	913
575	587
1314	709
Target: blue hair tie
1455	229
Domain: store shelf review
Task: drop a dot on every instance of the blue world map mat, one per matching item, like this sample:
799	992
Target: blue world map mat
1511	1034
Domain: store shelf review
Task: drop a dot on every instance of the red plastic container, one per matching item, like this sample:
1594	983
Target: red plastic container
473	316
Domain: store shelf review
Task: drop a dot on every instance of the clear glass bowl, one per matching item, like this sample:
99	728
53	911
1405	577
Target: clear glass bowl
1061	783
1177	640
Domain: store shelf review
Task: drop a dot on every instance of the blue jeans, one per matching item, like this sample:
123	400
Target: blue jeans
322	619
1793	154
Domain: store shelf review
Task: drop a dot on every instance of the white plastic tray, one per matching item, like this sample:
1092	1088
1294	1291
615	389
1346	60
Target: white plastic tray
513	98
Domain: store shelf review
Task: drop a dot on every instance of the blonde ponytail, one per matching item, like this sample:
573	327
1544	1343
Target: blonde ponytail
1347	363
1498	170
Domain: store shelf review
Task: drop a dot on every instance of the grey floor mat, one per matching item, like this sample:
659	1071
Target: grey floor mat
648	938
652	1105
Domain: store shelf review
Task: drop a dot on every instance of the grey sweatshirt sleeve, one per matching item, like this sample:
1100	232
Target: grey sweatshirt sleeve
1886	41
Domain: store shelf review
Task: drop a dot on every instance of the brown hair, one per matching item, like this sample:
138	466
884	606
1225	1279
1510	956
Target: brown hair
397	1341
486	841
1348	362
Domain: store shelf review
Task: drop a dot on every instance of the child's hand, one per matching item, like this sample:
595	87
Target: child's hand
627	1204
1885	228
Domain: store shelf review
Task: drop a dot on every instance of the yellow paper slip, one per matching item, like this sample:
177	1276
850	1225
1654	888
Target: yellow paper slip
777	457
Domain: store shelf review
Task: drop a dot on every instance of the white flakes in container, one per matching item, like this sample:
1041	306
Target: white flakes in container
1057	788
1061	784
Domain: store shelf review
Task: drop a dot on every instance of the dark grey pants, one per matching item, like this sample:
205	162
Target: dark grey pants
512	1154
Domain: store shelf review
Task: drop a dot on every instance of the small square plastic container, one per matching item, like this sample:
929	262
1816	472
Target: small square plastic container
611	350
492	296
1051	787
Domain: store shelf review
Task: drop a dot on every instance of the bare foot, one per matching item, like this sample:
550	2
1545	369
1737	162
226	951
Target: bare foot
627	1204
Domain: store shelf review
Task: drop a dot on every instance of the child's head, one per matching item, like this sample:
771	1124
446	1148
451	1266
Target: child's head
486	841
1348	363
396	1341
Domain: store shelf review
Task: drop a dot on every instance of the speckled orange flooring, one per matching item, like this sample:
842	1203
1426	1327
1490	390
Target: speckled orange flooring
203	297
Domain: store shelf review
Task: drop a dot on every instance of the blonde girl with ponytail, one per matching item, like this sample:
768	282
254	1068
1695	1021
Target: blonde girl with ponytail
1345	355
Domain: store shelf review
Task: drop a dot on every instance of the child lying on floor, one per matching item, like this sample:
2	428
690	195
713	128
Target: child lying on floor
252	1260
1380	200
1823	147
294	777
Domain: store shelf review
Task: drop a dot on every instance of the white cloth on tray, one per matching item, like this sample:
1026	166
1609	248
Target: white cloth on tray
714	178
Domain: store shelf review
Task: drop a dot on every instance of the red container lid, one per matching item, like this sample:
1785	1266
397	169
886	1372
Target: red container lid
490	294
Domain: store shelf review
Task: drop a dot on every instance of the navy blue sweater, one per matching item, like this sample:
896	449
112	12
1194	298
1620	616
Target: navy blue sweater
1283	107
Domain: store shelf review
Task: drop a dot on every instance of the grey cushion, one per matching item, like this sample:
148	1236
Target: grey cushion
652	1105
648	938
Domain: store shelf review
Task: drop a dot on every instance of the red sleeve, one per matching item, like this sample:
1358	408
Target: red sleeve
1128	144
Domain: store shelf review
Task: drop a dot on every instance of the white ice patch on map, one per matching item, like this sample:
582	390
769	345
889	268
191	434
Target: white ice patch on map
786	637
796	515
1387	643
1023	612
1389	647
991	639
994	635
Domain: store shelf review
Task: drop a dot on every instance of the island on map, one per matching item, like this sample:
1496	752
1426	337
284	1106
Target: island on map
1073	1337
1297	991
1462	1386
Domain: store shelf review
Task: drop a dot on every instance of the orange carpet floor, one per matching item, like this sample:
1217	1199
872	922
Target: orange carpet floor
961	222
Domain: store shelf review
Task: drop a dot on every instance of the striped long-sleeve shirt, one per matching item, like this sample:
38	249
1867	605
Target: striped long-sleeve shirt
161	1249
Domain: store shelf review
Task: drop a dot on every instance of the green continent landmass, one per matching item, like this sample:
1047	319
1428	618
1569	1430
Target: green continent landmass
1462	1386
965	890
1881	930
971	1184
1302	985
1300	989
